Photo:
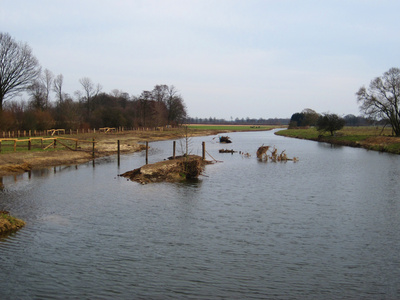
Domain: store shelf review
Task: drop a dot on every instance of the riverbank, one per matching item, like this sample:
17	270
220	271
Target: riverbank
12	163
9	223
368	137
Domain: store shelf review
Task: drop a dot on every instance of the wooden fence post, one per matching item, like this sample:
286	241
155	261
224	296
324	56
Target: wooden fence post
94	143
147	153
118	153
173	150
29	144
15	145
55	143
204	150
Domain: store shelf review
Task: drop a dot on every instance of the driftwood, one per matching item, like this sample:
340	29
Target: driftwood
262	154
227	151
225	139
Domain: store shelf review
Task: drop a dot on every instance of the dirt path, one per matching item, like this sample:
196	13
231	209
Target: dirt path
132	141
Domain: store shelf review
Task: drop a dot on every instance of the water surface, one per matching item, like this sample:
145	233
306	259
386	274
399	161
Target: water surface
324	227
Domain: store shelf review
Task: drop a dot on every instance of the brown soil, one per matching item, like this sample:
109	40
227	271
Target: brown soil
130	141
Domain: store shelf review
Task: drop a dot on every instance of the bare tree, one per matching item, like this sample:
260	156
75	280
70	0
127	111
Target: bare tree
90	90
160	93
57	87
47	79
175	106
382	99
37	92
18	67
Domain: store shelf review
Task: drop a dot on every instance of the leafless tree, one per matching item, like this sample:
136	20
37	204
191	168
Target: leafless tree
175	106
18	67
90	90
57	87
160	93
47	79
382	99
37	92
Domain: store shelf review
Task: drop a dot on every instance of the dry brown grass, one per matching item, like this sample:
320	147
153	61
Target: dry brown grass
9	224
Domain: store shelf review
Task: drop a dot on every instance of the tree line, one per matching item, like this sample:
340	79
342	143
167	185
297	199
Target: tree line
237	121
21	74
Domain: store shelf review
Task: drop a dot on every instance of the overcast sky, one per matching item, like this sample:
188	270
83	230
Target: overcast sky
227	58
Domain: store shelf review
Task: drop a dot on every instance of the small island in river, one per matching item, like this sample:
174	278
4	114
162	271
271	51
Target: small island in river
9	223
180	168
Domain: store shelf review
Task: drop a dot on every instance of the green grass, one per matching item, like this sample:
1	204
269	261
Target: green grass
9	223
309	134
345	134
36	145
368	137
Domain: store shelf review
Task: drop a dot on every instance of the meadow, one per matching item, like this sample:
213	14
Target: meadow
368	137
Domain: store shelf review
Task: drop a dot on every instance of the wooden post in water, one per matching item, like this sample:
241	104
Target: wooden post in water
147	153
119	153
204	150
174	149
93	147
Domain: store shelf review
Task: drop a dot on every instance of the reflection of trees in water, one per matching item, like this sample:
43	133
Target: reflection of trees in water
36	173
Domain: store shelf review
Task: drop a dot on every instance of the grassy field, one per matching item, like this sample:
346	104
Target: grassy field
369	137
36	144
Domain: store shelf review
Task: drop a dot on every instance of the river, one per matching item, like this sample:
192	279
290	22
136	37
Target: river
325	227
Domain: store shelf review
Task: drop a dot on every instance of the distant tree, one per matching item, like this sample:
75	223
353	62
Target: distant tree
67	114
296	120
161	92
47	80
330	123
57	87
37	92
310	117
90	90
175	106
18	67
382	99
307	117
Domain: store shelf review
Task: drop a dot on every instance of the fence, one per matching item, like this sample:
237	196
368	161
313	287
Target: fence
57	132
9	144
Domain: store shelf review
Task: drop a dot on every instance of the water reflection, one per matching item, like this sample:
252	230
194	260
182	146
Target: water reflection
5	181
